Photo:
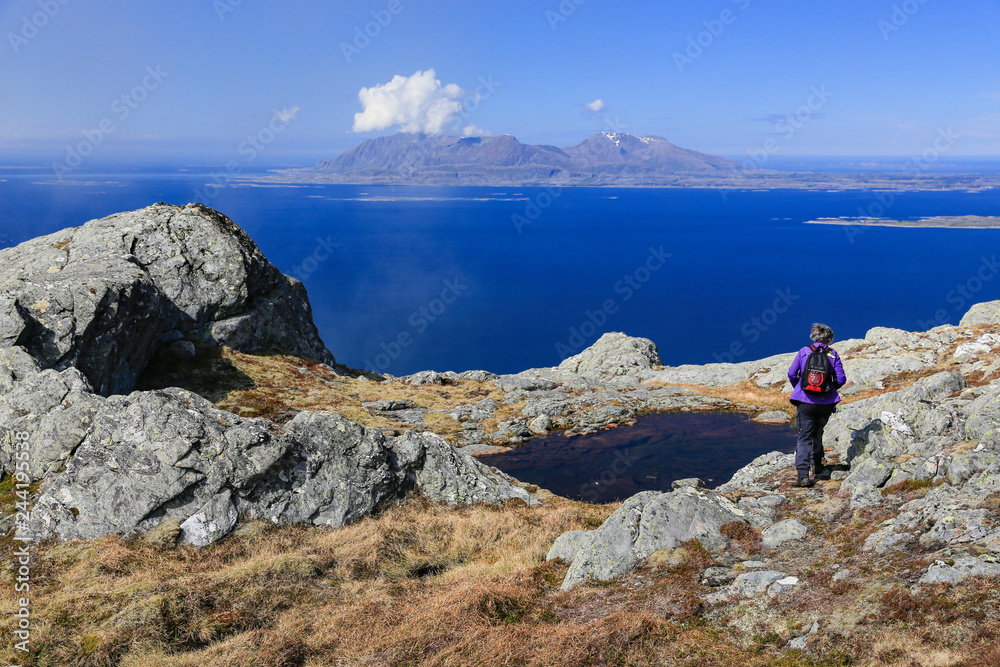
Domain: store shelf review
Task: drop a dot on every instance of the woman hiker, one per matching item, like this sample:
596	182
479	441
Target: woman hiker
816	373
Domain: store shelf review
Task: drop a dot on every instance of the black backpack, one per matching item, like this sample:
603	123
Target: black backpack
818	377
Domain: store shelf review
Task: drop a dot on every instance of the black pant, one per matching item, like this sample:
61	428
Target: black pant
810	419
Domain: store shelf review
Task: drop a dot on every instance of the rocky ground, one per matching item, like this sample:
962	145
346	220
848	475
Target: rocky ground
145	409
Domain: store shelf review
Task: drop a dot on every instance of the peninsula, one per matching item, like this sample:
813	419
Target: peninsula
937	221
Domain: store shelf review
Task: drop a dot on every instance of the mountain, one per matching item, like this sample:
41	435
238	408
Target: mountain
655	153
605	158
405	151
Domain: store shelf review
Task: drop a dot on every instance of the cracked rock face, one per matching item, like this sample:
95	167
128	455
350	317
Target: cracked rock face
99	297
170	455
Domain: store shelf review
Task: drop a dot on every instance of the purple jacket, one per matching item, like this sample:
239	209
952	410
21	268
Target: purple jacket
799	363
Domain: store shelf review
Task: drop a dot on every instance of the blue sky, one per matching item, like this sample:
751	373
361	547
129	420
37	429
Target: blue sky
863	77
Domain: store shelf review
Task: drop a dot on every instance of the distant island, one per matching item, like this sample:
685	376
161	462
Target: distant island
607	159
937	221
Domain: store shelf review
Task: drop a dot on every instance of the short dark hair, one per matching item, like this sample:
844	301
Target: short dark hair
821	334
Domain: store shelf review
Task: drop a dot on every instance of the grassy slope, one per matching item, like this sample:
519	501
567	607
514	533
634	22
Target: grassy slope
432	585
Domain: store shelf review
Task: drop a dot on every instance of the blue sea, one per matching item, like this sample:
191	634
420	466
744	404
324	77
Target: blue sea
403	279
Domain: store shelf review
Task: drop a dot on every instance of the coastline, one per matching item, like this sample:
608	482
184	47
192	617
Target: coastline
931	222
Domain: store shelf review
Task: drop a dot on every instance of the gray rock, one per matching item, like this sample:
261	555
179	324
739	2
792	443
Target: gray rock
476	412
569	544
523	382
56	408
545	406
767	372
716	576
984	415
387	405
773	417
800	643
156	455
183	348
510	430
962	568
751	584
99	297
764	465
15	364
982	313
407	415
648	522
336	473
540	425
782	585
609	552
685	514
777	534
444	473
212	522
866	476
424	377
480	376
692	482
614	354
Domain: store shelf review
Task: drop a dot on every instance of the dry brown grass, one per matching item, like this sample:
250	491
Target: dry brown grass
423	584
743	393
273	386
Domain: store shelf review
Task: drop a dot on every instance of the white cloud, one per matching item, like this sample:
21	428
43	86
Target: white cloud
417	103
474	131
286	115
596	105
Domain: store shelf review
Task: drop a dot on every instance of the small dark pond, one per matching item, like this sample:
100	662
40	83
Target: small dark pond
657	450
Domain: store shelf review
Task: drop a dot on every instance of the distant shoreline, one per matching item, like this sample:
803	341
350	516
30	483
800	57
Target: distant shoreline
931	222
889	182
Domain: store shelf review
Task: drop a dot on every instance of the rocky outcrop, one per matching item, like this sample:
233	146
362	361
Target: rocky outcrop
982	313
82	312
647	522
937	438
170	455
613	355
102	296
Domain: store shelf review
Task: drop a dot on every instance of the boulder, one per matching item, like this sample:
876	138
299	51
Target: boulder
569	544
752	584
609	553
149	456
648	522
614	354
212	522
56	408
777	534
152	456
982	313
773	417
523	382
764	465
99	297
962	568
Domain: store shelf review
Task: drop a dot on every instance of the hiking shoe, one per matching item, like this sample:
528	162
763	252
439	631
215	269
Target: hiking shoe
822	472
803	482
